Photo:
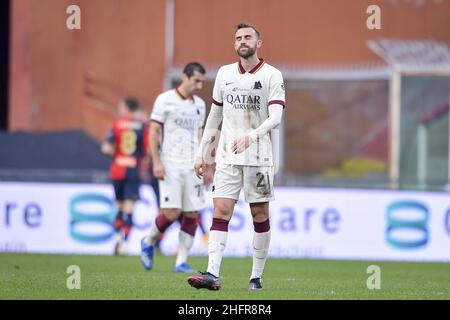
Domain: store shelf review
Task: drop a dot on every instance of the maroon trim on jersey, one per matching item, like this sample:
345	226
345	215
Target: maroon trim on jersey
180	94
258	66
277	102
255	68
161	123
220	104
240	67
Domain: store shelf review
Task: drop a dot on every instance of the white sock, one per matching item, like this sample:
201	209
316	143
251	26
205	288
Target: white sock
154	233
216	246
119	237
261	242
185	244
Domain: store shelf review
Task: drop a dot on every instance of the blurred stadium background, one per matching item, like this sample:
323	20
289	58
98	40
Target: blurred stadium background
365	137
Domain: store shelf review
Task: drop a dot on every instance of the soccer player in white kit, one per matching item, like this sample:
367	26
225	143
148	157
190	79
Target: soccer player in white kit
177	118
248	99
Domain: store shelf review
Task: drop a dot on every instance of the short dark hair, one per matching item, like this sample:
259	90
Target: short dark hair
243	25
132	103
191	67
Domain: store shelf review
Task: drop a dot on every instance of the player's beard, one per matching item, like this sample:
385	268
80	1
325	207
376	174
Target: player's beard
250	52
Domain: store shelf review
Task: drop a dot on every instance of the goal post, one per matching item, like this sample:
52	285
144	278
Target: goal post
430	111
419	95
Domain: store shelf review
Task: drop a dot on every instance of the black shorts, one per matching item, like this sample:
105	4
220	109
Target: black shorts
126	189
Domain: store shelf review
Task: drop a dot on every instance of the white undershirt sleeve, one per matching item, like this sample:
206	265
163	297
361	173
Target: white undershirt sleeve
212	125
274	119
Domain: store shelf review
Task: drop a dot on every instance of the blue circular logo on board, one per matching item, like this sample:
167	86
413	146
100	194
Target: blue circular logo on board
407	224
91	217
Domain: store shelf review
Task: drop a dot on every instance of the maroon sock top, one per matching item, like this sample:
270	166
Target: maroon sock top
261	226
219	224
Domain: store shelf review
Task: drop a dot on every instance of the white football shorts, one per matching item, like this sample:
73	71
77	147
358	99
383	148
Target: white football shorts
257	182
181	189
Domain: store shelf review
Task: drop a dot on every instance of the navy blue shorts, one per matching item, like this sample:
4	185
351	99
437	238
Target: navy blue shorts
126	189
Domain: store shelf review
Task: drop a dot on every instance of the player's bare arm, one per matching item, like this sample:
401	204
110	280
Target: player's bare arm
155	138
199	166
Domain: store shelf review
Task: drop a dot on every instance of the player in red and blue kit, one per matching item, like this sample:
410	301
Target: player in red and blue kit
127	143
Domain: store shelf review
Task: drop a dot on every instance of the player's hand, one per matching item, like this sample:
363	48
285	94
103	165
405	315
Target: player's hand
240	144
199	167
158	171
107	149
208	175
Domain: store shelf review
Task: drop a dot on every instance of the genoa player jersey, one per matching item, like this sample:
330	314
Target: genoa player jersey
130	139
246	98
182	119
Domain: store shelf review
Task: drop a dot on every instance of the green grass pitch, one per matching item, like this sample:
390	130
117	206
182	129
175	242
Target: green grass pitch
44	276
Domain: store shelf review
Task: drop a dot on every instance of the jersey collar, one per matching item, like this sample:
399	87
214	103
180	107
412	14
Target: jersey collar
181	95
255	68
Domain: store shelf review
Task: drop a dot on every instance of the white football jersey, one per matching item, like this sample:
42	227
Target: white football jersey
181	121
246	98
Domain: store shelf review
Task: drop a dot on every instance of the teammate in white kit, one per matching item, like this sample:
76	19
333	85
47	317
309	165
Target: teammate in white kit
177	118
248	99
